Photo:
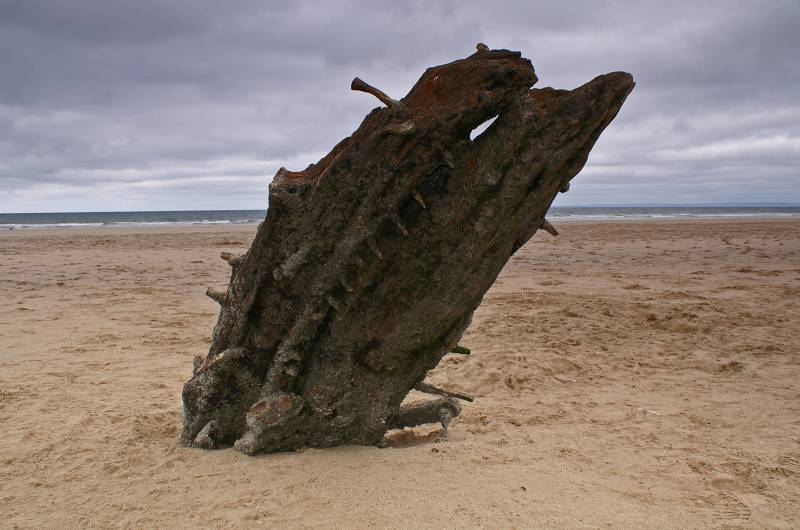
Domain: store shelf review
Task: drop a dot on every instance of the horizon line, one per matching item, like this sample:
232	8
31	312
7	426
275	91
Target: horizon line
619	205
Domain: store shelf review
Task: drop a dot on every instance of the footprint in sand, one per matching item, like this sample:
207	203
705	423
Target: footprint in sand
790	464
730	512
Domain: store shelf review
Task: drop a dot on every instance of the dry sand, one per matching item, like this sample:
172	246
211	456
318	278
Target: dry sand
627	374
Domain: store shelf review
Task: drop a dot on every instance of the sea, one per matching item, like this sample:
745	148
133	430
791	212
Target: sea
21	221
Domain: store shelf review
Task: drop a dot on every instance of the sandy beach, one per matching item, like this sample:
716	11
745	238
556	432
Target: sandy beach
627	374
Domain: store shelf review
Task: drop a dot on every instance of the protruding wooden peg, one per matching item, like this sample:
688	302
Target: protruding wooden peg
373	246
333	303
289	268
461	350
401	129
197	363
547	227
420	200
361	86
399	224
430	389
225	355
347	286
217	296
233	260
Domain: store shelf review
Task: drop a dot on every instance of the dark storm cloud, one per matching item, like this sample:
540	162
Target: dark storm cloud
163	104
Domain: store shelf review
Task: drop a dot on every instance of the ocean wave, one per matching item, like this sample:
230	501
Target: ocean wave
665	216
122	224
239	217
14	226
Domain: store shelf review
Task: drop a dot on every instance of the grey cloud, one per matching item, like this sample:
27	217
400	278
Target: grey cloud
167	104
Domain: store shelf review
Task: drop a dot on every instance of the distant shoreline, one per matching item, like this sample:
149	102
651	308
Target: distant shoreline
250	227
230	218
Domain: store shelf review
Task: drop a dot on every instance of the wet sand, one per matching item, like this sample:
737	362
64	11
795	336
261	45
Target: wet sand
634	374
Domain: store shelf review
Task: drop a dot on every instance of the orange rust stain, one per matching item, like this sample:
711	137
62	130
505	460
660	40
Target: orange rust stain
258	408
284	402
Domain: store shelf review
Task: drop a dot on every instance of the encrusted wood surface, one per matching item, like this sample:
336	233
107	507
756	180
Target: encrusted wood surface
370	263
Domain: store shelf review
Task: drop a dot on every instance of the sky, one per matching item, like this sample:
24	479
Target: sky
185	105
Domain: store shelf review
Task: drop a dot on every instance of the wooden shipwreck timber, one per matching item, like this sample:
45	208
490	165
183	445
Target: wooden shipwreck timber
370	263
